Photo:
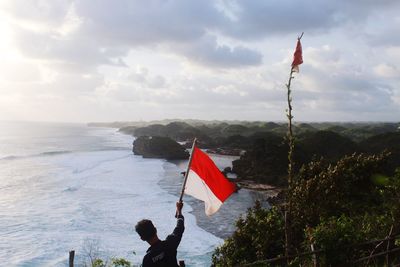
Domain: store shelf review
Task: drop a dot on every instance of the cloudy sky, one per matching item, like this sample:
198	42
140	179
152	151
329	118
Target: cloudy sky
107	60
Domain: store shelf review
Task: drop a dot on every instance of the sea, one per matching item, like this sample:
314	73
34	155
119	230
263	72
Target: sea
66	186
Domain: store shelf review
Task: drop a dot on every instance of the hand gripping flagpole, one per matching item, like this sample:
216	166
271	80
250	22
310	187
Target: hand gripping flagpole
187	170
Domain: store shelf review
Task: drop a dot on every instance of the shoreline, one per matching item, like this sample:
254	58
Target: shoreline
251	185
222	224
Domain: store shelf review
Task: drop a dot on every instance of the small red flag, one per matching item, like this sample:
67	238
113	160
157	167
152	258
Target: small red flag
297	57
206	182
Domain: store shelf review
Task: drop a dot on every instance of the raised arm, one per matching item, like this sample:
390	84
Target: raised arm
175	238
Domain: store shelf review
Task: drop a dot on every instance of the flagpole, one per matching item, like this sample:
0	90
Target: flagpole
187	170
288	206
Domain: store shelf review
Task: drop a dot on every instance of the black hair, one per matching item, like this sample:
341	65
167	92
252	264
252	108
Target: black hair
145	229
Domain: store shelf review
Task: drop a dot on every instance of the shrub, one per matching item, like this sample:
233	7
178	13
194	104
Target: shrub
336	236
257	236
334	206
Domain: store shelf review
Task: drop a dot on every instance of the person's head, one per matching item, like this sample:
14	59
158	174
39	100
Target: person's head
146	230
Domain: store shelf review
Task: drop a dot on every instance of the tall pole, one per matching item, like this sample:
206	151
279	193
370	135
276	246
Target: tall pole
187	170
290	130
288	208
290	137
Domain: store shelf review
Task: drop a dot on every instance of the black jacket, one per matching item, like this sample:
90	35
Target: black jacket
163	253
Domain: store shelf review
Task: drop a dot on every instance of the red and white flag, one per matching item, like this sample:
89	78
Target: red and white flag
297	57
206	182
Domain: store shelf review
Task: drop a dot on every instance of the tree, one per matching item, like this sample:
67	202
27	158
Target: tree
334	206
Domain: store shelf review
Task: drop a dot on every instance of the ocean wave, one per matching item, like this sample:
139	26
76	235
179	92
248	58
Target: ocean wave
113	148
42	154
59	152
98	163
71	189
51	153
10	157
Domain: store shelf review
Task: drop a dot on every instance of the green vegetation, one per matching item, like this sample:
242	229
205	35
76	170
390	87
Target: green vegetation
94	256
265	160
258	236
115	262
181	129
159	147
345	190
335	206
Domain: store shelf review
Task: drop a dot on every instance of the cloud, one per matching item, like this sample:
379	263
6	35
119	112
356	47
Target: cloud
38	13
208	52
75	53
91	36
256	19
19	71
105	34
142	77
387	71
323	57
179	27
144	23
357	95
220	56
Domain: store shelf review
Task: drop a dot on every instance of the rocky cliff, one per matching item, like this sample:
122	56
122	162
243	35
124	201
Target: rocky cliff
159	147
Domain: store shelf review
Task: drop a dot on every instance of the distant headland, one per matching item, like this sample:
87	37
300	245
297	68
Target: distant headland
262	146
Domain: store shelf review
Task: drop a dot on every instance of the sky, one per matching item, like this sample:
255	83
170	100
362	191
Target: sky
127	60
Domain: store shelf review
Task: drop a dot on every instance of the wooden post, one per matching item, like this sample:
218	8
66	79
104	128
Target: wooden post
388	247
71	258
314	256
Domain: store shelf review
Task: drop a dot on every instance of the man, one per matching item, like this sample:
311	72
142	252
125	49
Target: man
161	253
